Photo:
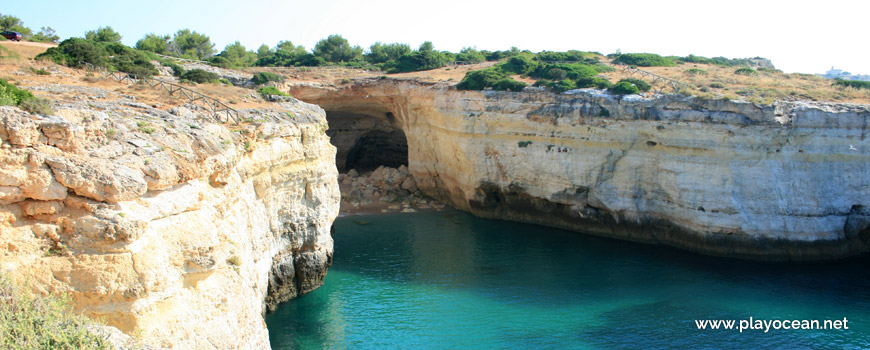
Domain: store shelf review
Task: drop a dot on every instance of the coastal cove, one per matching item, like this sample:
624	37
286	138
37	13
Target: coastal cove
450	280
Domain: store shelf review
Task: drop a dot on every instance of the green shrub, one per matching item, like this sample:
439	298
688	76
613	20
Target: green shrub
11	95
480	79
717	85
695	71
72	52
571	71
32	322
624	88
858	84
199	76
523	144
595	82
470	55
567	56
563	85
746	71
542	82
641	85
644	60
523	64
265	77
425	58
177	70
508	84
271	90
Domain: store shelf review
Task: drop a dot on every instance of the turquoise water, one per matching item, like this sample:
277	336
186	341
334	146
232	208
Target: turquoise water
447	280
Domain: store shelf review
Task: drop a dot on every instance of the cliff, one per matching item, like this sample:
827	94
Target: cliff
787	181
168	227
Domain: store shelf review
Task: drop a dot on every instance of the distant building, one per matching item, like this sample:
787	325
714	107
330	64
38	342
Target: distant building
841	74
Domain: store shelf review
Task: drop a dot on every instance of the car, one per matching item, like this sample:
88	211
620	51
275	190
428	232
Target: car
14	36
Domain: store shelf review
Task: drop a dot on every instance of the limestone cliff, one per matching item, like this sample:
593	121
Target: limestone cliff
788	181
171	228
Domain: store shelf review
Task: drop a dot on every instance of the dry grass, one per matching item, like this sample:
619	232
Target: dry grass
766	87
20	69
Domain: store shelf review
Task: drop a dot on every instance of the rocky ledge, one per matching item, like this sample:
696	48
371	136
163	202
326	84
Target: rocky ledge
168	227
384	190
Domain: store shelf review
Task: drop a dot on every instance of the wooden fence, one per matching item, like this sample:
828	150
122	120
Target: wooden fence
181	59
676	85
220	111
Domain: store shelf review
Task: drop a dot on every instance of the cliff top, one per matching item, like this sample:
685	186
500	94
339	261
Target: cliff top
764	86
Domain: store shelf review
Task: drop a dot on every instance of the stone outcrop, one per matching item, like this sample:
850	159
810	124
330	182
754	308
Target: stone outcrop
383	190
788	181
174	230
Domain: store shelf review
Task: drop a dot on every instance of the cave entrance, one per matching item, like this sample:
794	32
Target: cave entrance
366	141
377	148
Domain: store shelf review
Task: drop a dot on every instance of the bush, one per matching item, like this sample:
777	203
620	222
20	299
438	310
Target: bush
199	76
568	56
177	70
480	79
595	82
73	51
265	77
470	55
746	71
695	71
563	85
29	322
271	90
624	88
11	95
644	60
852	83
717	85
522	64
571	71
640	84
508	84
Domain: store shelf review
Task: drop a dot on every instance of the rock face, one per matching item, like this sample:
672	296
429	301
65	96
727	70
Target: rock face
788	181
173	230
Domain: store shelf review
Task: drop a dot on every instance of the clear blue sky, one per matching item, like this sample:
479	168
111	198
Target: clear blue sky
798	36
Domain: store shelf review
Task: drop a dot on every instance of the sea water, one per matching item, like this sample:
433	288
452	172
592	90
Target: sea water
447	280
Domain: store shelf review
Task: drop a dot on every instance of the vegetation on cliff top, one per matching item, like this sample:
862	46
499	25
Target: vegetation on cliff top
559	71
32	322
74	52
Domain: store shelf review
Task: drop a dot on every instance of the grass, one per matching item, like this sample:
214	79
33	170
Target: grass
34	322
145	127
765	87
271	90
39	71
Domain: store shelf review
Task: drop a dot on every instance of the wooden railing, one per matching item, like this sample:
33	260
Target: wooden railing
221	112
676	85
181	59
